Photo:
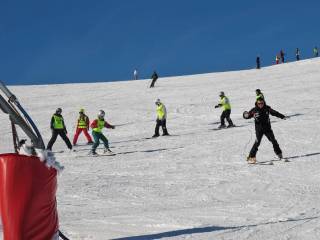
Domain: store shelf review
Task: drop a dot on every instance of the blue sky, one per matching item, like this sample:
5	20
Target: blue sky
87	41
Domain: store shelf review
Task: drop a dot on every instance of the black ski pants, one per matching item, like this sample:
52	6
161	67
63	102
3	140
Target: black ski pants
163	124
55	133
269	134
153	82
226	115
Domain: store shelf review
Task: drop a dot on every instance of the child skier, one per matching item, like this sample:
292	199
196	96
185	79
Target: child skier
225	104
82	126
58	128
161	119
261	113
259	94
97	125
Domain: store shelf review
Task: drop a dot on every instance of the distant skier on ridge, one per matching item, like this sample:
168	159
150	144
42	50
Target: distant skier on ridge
258	62
261	113
315	52
282	55
297	54
135	74
154	78
225	104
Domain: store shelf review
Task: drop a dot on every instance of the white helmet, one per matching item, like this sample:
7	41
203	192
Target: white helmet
158	101
101	114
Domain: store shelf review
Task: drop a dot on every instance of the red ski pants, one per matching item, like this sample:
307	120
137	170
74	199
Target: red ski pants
78	131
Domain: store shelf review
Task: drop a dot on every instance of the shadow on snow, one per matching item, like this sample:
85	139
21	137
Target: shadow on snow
209	229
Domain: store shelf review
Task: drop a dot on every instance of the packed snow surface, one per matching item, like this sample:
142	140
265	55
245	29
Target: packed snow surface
195	184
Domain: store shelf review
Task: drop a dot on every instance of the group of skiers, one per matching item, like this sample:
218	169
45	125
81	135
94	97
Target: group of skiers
260	113
58	127
280	57
154	77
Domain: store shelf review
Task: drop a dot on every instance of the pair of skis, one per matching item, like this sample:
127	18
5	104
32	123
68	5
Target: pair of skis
252	161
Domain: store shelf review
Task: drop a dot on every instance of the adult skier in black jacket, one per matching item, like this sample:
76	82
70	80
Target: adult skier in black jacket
261	113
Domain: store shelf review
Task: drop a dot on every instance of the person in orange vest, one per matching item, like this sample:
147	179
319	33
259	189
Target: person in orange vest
97	125
82	126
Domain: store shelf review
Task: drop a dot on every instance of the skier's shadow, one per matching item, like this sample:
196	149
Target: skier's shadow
150	151
210	229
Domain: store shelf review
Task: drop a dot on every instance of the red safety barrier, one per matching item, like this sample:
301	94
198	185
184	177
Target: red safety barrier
28	205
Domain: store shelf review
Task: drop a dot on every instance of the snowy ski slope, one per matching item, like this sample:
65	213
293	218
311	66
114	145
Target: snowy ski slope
196	183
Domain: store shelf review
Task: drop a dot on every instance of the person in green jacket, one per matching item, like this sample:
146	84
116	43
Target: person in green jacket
225	104
58	128
259	94
161	119
97	125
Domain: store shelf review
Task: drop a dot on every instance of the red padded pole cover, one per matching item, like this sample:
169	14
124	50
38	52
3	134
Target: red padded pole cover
28	205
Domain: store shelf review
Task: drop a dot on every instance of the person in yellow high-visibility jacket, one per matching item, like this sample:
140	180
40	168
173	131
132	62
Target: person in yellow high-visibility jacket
97	125
82	126
226	106
161	119
58	128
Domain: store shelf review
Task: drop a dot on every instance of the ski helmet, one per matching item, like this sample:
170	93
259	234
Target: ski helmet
258	90
221	94
158	101
81	110
59	110
101	114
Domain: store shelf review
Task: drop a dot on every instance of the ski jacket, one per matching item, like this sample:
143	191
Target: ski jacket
97	125
225	103
261	116
161	112
260	95
83	121
57	122
154	76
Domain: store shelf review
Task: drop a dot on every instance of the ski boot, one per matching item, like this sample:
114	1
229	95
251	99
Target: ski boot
92	153
89	143
155	135
108	151
251	160
231	125
281	158
221	126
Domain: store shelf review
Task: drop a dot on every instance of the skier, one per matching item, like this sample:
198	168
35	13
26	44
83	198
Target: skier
82	126
225	104
135	74
282	56
154	79
97	125
315	52
258	62
297	54
261	113
259	94
277	59
58	127
161	119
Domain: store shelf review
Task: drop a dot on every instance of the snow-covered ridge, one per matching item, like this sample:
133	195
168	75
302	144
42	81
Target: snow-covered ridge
195	184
